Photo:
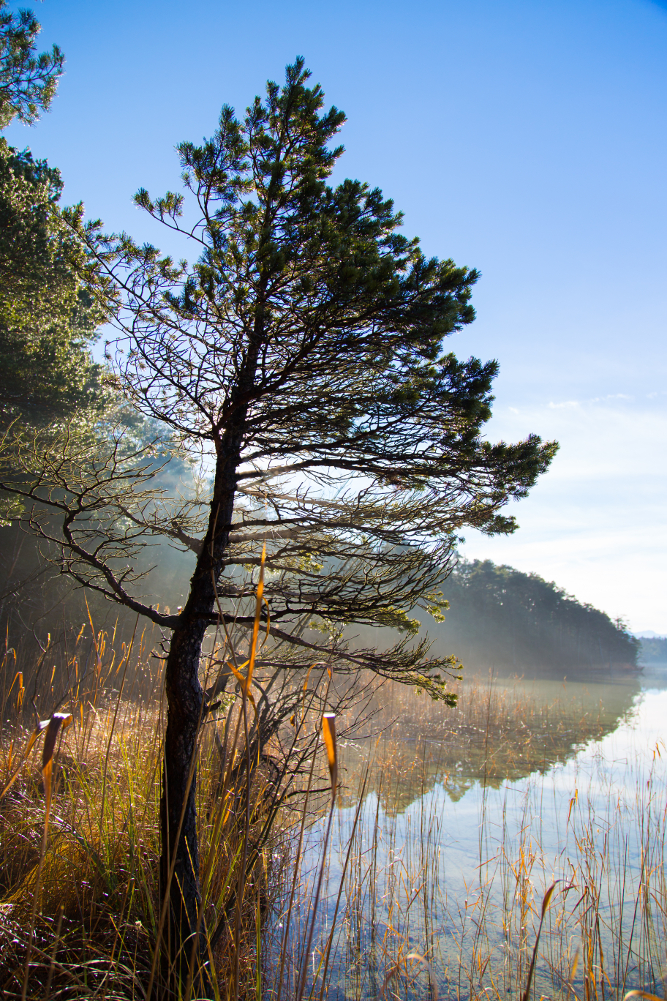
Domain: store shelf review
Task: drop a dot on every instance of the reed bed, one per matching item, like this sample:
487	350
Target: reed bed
79	894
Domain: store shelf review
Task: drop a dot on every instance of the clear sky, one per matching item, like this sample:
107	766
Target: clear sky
527	138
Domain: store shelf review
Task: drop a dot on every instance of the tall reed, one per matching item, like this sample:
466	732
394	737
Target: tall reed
79	902
393	908
80	909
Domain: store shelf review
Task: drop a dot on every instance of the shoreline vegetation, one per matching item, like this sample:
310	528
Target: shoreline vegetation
499	619
80	912
295	359
654	650
505	619
85	903
80	901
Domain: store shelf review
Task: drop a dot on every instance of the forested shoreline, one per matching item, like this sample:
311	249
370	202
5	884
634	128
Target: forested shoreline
498	617
653	649
502	617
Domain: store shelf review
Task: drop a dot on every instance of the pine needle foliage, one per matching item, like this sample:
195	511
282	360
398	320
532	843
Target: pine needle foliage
27	81
302	354
48	309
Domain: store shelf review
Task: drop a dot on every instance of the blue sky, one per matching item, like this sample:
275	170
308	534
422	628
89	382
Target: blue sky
527	138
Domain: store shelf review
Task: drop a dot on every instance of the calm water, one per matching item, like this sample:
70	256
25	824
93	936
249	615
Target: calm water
438	866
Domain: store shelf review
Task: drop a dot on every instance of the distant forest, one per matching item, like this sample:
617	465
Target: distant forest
654	650
500	617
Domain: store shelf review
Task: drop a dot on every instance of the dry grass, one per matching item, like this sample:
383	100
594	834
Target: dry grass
79	909
422	899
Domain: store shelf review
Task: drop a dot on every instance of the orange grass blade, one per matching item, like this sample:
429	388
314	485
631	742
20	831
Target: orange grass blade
545	904
243	682
547	898
258	612
329	734
20	690
42	725
53	726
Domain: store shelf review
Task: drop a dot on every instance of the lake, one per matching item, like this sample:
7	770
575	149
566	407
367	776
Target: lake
452	825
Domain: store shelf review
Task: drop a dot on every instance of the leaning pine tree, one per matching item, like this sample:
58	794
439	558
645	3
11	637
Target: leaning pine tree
301	358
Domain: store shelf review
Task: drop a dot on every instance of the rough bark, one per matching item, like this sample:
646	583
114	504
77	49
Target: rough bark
180	843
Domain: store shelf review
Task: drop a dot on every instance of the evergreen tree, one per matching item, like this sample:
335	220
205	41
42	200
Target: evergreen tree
49	300
48	313
301	358
27	81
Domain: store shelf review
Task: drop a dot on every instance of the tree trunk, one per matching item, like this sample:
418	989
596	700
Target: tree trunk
179	863
185	711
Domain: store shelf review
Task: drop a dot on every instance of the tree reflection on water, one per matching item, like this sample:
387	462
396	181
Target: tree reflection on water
501	729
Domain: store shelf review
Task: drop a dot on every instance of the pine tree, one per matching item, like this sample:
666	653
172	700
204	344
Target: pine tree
49	302
47	315
48	311
27	81
301	359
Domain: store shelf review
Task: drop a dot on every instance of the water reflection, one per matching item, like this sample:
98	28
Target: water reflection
502	729
468	817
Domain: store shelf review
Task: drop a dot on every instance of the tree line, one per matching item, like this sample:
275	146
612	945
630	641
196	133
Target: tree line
501	617
654	649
